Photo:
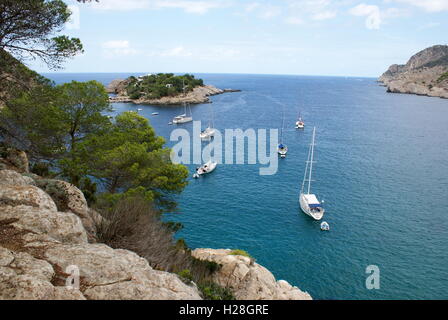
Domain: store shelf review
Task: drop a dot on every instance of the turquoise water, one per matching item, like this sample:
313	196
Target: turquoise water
382	170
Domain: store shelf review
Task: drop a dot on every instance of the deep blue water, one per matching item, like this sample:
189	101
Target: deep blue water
382	170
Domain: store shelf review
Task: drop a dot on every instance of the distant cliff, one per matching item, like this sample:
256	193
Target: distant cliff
426	73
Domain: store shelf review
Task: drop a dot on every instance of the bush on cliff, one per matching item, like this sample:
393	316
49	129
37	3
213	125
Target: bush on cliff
132	223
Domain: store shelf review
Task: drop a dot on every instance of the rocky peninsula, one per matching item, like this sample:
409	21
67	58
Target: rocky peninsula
198	93
426	73
46	226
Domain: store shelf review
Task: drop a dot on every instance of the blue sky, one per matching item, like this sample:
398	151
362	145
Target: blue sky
305	37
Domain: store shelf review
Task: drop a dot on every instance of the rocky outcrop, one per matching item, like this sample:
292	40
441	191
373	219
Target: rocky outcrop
424	74
198	95
42	237
68	198
246	279
46	237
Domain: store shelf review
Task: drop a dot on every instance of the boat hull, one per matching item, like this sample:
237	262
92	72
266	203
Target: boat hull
313	213
209	167
183	120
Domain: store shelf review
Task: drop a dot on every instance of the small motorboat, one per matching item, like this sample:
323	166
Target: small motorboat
139	109
324	226
155	113
300	124
208	167
282	150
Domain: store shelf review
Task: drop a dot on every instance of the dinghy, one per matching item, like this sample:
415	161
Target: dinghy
324	226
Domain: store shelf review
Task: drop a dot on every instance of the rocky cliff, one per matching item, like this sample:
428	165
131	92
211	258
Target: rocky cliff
46	228
247	279
426	73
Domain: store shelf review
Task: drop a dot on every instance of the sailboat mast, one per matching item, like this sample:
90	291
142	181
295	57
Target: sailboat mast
311	161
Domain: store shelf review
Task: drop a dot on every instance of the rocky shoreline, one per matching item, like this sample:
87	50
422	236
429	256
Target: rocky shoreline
200	94
46	228
422	75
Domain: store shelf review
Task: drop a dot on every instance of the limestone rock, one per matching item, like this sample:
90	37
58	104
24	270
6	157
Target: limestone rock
421	75
118	274
10	177
69	198
26	195
247	279
61	226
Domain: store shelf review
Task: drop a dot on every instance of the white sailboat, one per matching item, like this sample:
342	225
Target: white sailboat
183	118
309	203
282	148
210	131
208	167
300	124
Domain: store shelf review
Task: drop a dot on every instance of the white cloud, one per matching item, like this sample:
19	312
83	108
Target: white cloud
268	12
263	11
372	12
122	5
189	6
324	15
117	48
199	7
179	51
313	9
294	20
428	5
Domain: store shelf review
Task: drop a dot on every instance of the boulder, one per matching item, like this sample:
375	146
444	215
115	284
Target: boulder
61	226
10	177
15	195
69	198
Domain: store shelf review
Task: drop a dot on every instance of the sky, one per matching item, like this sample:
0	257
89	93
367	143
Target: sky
303	37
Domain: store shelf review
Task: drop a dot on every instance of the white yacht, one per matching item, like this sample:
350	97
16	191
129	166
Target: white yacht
183	118
282	148
300	124
208	167
309	203
210	131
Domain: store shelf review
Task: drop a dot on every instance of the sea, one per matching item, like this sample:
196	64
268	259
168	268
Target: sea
382	171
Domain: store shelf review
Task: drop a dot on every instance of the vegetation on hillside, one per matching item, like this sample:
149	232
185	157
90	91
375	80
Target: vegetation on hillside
121	166
155	86
443	76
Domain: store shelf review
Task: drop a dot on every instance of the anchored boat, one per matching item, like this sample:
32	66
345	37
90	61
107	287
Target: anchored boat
300	124
209	132
208	167
309	203
282	148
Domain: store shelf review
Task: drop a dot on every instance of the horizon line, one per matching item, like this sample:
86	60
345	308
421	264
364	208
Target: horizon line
226	73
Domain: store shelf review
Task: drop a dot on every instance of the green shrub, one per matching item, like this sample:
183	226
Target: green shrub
238	252
186	276
213	291
442	77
